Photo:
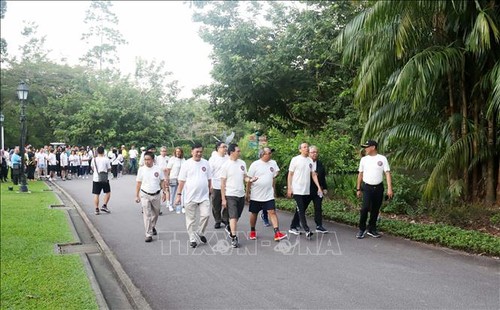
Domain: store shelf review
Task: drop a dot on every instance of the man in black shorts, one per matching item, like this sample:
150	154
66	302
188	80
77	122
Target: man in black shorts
100	163
260	193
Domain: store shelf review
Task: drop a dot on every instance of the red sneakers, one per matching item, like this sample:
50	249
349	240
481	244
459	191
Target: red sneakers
279	235
253	235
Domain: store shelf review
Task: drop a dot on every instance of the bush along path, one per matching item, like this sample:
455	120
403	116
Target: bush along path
444	235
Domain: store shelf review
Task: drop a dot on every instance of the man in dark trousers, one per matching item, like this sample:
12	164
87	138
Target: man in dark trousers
314	196
370	185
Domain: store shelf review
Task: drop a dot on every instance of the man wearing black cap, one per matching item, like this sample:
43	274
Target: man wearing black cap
370	183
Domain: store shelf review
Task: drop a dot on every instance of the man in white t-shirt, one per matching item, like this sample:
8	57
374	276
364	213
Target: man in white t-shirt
64	164
194	184
233	178
261	192
150	183
300	174
100	163
370	184
216	161
132	155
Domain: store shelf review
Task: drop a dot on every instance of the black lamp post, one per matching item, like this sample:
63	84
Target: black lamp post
22	94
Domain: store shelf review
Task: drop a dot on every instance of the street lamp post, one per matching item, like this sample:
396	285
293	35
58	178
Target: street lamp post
22	94
2	118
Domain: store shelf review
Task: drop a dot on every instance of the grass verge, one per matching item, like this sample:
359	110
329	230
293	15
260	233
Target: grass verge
33	275
444	235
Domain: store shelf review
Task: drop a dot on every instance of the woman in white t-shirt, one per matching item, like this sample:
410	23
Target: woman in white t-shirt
173	167
85	165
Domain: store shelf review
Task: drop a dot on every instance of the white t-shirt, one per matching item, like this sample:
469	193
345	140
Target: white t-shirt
52	159
301	167
262	189
162	162
150	178
234	172
174	164
103	165
132	153
85	160
74	160
196	175
64	159
373	168
216	163
41	159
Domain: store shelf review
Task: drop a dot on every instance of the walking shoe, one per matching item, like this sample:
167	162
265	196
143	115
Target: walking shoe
234	242
178	209
193	244
361	234
374	234
279	235
104	208
321	230
217	226
170	208
96	211
148	239
202	238
265	220
228	230
154	232
161	212
253	235
294	231
309	234
183	210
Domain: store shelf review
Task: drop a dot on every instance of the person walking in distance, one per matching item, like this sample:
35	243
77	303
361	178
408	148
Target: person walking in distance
132	154
300	174
150	183
194	185
101	164
372	168
216	161
173	167
260	193
314	196
233	178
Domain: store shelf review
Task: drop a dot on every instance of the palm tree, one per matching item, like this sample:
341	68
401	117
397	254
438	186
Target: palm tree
428	89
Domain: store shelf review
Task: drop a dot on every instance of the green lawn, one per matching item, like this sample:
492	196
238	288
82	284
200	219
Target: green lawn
33	275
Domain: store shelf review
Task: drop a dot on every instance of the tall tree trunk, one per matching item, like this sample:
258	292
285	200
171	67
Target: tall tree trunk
452	107
463	92
475	149
490	172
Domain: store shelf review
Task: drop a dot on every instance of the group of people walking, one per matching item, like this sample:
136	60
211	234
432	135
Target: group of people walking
221	185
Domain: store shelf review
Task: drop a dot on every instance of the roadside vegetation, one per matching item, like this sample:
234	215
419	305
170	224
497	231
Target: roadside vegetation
33	275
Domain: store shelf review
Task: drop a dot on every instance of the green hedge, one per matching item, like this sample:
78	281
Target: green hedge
444	235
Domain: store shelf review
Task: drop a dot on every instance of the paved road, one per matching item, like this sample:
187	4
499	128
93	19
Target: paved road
331	271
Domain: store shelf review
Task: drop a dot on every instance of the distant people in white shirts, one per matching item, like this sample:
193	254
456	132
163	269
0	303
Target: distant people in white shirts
132	155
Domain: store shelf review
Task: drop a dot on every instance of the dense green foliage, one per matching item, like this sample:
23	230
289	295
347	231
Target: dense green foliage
33	275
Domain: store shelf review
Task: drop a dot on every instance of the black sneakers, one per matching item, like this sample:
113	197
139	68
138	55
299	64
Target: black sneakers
104	208
309	234
374	234
154	232
361	234
217	226
234	242
148	239
96	211
321	230
202	238
193	244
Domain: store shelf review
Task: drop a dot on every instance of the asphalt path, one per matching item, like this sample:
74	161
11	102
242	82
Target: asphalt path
331	271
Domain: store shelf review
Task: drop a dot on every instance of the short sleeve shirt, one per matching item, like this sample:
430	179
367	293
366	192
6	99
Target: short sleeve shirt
150	178
196	175
216	163
373	168
100	164
262	189
234	172
301	167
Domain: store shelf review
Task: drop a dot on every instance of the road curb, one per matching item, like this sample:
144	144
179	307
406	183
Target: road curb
135	295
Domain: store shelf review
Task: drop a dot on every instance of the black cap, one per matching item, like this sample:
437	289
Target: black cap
369	143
